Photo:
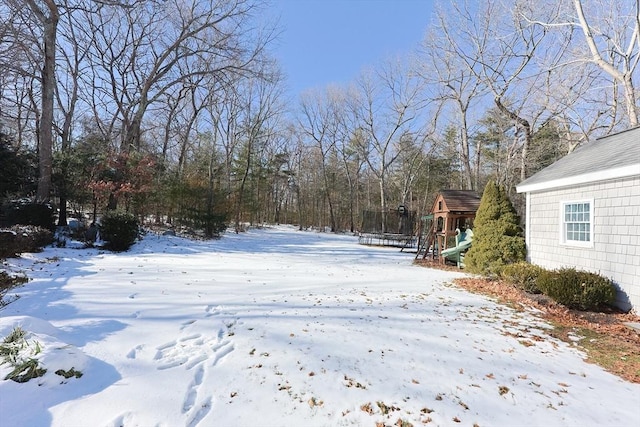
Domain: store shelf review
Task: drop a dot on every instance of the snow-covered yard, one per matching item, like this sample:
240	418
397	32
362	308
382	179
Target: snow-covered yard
277	327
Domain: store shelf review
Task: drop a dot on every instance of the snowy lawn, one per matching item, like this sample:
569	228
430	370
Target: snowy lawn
277	327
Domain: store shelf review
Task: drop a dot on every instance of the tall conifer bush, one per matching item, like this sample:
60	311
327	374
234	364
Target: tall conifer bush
497	236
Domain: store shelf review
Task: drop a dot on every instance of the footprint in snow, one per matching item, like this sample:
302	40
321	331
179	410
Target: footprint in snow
193	350
201	412
187	323
192	392
212	310
134	351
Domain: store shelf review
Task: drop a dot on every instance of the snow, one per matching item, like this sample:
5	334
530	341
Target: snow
277	327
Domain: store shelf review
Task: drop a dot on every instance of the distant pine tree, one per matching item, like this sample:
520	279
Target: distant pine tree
497	236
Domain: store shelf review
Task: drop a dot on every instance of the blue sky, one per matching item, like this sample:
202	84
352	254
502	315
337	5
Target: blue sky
332	41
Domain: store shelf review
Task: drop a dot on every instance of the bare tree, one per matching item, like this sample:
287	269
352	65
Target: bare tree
352	160
262	109
224	117
504	52
388	106
452	64
20	59
611	41
322	122
47	14
144	50
72	64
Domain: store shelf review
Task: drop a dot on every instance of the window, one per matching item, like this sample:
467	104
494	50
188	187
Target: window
577	223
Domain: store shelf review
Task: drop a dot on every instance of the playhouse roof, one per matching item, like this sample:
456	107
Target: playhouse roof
609	157
458	200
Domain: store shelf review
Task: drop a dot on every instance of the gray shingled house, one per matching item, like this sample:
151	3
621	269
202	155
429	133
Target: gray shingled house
583	211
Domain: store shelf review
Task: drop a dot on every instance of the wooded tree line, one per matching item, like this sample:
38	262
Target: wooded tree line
175	110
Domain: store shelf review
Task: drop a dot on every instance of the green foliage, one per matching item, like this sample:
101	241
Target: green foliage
12	344
71	175
119	230
26	371
546	147
497	236
27	213
212	224
199	207
523	275
577	289
71	373
12	351
23	238
21	354
18	169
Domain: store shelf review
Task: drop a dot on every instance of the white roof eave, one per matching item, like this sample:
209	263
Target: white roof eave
602	175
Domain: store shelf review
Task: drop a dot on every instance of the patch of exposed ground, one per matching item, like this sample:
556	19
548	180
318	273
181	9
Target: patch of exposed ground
604	337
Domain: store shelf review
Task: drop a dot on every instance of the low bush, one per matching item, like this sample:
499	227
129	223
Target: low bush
577	289
523	275
8	282
27	213
23	238
119	230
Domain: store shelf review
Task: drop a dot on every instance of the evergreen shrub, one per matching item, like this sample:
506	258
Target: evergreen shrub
523	275
497	236
28	213
119	230
576	289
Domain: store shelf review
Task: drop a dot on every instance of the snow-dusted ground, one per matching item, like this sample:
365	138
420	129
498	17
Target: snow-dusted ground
276	327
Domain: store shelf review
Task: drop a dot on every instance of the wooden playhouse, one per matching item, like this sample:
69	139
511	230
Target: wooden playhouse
452	210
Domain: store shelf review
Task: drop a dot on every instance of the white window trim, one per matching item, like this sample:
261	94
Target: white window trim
574	243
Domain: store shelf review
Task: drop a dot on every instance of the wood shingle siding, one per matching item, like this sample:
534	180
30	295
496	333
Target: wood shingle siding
606	173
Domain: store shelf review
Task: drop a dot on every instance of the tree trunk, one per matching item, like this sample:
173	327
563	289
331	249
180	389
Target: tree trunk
629	95
623	77
62	215
45	140
466	152
383	204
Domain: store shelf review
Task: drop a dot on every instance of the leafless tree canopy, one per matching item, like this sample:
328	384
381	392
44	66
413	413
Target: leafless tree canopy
177	111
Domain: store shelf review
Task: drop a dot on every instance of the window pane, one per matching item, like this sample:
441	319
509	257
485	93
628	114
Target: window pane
577	222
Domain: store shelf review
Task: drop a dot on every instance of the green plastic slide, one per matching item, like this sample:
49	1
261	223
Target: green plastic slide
463	242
